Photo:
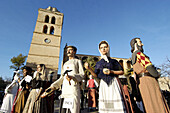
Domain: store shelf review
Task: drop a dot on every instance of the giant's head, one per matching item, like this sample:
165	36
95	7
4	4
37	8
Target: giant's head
136	44
71	51
104	48
27	71
41	67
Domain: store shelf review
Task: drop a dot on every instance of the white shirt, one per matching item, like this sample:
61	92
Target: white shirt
77	73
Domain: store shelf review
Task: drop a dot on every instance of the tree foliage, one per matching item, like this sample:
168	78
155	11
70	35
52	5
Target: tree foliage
18	61
3	84
165	68
92	62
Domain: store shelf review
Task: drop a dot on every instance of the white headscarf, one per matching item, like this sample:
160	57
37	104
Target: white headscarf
105	57
42	74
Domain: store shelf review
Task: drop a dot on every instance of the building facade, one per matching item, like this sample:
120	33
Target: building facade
124	62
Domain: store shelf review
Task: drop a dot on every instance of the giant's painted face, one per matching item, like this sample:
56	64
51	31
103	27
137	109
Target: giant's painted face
104	49
70	52
139	42
139	45
39	68
24	72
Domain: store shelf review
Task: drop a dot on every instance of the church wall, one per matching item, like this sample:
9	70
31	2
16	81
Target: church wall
44	50
51	62
39	39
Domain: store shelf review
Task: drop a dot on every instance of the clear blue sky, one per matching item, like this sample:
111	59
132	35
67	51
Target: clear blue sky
86	23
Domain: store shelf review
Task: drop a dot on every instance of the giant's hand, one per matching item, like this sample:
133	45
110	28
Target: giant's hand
48	92
69	78
106	71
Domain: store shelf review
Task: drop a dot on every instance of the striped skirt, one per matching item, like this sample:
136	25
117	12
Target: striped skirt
34	105
110	98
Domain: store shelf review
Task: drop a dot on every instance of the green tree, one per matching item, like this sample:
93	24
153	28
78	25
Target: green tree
18	61
165	68
3	83
92	62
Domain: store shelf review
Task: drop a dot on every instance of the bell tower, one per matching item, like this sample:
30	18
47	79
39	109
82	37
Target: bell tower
45	45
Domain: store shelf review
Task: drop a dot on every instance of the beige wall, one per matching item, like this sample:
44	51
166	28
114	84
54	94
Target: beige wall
39	39
125	60
50	62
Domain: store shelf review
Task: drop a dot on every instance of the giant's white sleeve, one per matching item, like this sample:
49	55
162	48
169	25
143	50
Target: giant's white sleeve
11	84
80	75
59	81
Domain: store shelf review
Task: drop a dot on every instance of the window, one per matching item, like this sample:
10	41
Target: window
53	20
46	18
52	30
45	29
47	40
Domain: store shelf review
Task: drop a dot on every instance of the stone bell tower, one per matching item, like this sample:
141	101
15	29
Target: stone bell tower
45	45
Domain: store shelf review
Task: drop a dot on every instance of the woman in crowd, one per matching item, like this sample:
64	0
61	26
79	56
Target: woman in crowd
10	92
107	69
23	91
35	104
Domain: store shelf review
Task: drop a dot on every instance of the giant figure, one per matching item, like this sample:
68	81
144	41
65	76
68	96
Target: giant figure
146	73
72	73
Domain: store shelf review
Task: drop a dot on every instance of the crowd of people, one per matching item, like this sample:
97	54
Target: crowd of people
23	95
34	94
